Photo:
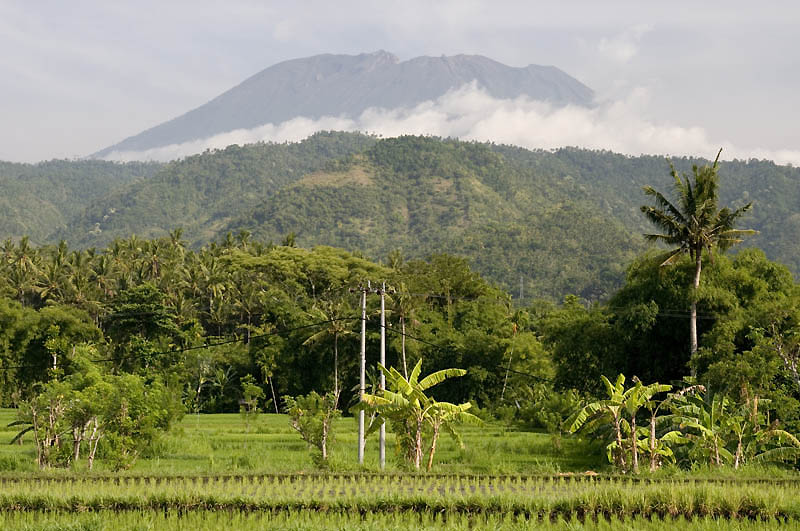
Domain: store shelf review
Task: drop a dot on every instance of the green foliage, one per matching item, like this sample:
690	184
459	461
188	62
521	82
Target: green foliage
248	405
89	410
427	195
40	198
714	430
410	410
694	224
746	305
548	409
564	222
32	340
312	417
201	193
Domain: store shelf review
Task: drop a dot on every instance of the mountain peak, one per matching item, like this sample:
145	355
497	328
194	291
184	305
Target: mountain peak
347	85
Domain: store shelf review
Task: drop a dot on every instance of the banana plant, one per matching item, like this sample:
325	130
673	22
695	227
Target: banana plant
622	408
658	447
707	421
410	410
756	443
611	409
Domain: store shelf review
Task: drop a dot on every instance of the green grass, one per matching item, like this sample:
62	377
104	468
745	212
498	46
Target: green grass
527	498
211	472
220	444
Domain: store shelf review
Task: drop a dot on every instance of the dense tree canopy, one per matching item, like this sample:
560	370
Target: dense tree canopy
537	223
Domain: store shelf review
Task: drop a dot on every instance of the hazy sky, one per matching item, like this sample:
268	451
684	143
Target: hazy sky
681	76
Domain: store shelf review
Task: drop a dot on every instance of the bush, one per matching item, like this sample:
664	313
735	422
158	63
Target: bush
549	409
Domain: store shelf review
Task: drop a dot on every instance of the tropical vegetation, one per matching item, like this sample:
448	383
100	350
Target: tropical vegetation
660	372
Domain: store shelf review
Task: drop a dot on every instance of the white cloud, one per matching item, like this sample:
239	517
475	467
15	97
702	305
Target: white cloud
472	114
623	46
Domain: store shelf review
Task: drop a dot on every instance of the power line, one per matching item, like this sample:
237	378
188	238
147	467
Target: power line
447	349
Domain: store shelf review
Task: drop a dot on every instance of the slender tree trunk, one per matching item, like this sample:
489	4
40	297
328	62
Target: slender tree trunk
93	441
738	453
38	441
249	324
76	443
508	369
620	446
323	443
434	438
403	344
653	455
274	400
634	446
335	367
693	318
418	445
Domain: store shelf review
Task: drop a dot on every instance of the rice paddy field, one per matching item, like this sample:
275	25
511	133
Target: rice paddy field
213	472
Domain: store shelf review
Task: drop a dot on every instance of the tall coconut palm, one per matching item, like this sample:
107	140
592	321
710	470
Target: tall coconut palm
694	223
336	315
24	267
403	305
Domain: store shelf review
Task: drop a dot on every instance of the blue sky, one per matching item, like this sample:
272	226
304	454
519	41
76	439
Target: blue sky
79	76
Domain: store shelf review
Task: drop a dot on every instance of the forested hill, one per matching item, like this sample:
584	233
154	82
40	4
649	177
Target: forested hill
202	193
38	199
424	195
550	223
613	183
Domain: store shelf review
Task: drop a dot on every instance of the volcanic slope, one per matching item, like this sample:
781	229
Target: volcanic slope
347	85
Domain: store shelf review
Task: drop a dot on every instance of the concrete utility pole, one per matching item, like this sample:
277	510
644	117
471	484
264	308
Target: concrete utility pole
362	383
382	376
363	363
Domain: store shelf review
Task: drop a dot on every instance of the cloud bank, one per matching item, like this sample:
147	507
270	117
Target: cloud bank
470	113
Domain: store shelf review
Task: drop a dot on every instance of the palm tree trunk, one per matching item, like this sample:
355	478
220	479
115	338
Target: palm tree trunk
693	317
335	366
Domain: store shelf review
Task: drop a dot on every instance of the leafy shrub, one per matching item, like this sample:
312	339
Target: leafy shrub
549	409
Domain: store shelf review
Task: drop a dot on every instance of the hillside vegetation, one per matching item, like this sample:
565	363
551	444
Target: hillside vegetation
537	222
38	199
203	192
